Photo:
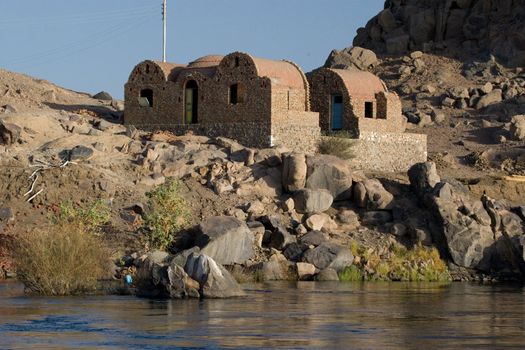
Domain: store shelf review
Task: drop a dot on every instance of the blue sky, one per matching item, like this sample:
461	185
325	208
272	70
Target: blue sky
93	45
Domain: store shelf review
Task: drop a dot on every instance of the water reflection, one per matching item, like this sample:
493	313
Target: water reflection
279	315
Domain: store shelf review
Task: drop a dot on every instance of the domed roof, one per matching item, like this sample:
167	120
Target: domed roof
360	83
206	61
282	73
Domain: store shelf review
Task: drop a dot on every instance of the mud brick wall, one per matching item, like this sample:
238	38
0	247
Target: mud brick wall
255	135
353	87
388	115
389	152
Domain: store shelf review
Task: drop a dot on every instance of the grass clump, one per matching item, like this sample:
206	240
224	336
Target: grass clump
339	144
168	215
65	257
351	274
419	264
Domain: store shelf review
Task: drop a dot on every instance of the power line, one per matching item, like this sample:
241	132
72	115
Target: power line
93	16
79	45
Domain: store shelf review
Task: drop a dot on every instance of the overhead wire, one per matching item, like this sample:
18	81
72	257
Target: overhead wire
96	44
81	44
87	16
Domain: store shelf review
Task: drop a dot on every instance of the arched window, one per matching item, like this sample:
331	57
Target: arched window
191	102
146	98
237	93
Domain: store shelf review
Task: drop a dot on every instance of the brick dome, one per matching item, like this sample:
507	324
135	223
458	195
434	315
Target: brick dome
206	61
360	83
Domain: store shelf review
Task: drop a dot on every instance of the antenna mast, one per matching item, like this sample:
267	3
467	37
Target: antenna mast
164	31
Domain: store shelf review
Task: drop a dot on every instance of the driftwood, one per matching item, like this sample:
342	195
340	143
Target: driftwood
42	166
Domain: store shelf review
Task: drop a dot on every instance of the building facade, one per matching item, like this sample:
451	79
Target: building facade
259	102
359	103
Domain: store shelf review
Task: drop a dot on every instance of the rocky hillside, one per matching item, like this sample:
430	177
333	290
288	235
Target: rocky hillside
297	216
455	28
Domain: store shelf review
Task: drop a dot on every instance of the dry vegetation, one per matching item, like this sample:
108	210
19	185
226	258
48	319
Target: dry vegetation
339	144
65	257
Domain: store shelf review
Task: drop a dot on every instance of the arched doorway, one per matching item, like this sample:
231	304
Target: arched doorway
191	102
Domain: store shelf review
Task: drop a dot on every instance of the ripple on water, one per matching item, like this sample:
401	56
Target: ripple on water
274	315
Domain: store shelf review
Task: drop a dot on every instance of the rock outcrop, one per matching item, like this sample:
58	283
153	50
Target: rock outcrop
495	27
477	234
226	239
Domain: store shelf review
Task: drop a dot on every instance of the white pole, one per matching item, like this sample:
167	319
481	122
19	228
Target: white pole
164	31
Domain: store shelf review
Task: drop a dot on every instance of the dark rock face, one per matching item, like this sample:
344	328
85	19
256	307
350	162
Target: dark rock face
329	255
478	234
354	57
9	133
494	27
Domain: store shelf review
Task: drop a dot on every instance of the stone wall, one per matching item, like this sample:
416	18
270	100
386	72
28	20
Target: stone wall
296	137
389	152
255	135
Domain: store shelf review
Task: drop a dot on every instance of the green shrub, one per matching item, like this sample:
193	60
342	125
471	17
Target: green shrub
65	257
93	217
339	144
168	215
351	274
419	264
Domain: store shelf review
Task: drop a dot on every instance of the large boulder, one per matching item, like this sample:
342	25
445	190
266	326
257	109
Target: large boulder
312	201
352	57
275	271
280	238
493	97
468	242
9	133
180	284
294	171
103	95
371	194
157	277
214	280
517	127
330	173
329	255
422	26
226	240
386	20
423	177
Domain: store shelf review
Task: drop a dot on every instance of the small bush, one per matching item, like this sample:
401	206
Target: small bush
92	218
339	144
61	259
351	274
168	215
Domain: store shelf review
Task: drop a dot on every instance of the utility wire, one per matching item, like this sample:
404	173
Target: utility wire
93	16
61	55
80	43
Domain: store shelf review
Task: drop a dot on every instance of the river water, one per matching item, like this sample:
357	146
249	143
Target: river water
278	315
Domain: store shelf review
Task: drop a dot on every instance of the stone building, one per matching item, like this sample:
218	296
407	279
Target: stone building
359	103
354	100
259	102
